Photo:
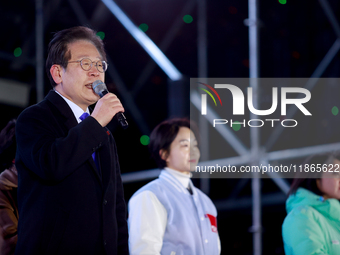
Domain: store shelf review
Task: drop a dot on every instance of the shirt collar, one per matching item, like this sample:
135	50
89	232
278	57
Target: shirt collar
184	179
77	111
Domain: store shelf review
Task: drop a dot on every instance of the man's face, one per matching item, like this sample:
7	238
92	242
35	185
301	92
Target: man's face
76	84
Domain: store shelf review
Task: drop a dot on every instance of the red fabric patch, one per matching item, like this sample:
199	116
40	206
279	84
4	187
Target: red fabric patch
107	132
212	222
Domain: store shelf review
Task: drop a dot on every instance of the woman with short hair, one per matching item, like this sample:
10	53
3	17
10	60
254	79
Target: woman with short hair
170	215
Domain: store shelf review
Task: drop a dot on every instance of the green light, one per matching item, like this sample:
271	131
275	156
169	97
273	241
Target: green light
236	126
335	110
144	139
282	1
101	35
188	19
17	52
144	27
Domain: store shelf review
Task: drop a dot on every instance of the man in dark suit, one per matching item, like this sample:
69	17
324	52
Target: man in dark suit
70	191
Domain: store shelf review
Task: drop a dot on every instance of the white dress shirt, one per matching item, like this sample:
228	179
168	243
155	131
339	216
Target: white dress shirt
77	111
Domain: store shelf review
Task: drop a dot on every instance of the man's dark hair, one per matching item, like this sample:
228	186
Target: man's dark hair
58	52
7	145
164	134
307	179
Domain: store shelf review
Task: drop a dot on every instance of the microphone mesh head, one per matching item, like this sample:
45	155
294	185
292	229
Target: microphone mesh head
98	86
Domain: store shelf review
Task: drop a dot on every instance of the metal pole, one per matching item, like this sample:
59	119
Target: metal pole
309	85
331	16
164	45
318	71
224	131
203	73
112	71
254	132
39	32
202	39
147	44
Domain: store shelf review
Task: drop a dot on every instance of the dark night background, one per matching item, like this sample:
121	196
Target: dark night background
294	38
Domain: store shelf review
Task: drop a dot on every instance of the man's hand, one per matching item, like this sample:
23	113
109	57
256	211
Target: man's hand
107	107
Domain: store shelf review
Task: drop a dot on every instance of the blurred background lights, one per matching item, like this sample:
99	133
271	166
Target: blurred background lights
282	1
101	34
144	27
17	52
187	18
236	126
335	110
144	139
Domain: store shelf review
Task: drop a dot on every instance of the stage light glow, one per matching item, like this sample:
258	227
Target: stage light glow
187	19
335	110
282	1
148	45
144	140
17	52
101	34
144	27
236	126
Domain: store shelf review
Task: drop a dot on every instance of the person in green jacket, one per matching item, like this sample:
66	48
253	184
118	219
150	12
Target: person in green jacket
312	225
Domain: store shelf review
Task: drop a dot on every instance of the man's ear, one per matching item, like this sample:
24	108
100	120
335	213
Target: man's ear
56	73
163	154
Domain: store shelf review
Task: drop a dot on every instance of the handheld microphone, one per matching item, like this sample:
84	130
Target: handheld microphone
100	89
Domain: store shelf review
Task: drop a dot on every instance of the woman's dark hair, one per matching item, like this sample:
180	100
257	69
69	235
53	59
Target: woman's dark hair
308	179
164	134
7	145
58	52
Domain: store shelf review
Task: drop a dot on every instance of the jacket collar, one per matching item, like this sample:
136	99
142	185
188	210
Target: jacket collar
168	177
62	107
303	197
77	111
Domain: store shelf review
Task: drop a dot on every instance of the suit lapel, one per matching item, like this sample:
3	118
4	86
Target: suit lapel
105	159
62	108
94	167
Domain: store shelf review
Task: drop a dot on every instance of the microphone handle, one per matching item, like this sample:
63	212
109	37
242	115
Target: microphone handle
103	93
120	117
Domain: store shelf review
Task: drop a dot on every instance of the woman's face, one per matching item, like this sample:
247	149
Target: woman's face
184	153
329	184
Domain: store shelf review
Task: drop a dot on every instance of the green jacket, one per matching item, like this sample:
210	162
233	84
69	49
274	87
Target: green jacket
312	225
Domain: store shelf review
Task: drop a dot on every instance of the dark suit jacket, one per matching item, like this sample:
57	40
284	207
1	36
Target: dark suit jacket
65	205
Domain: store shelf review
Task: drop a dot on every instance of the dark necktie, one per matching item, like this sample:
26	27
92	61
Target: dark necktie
190	190
82	117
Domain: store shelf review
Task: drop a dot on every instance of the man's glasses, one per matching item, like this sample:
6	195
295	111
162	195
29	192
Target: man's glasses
86	64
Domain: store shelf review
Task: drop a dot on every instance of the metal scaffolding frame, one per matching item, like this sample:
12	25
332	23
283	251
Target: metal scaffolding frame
39	21
202	57
256	154
255	132
113	73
